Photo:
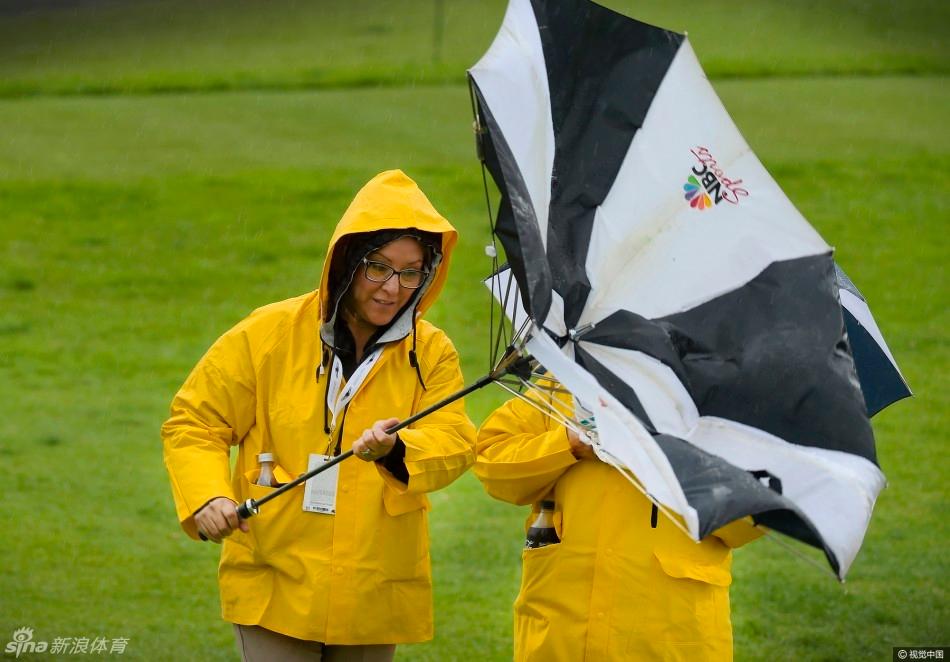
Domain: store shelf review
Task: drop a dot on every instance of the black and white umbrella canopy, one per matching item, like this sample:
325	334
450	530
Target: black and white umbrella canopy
682	297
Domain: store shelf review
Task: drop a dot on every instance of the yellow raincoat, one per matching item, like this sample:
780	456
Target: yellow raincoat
615	588
361	576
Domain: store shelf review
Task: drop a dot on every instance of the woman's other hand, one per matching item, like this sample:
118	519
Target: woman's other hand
218	518
374	443
580	449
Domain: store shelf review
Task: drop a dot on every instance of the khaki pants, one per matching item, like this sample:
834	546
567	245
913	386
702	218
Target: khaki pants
257	644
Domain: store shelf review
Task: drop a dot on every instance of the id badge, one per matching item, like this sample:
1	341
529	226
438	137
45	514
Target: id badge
319	495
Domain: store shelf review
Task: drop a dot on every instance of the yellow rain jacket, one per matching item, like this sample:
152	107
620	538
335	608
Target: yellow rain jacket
615	587
360	576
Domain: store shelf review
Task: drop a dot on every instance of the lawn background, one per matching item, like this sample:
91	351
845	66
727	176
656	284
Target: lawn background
166	167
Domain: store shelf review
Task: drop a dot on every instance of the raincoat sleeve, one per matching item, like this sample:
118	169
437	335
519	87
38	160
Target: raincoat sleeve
212	411
441	446
521	453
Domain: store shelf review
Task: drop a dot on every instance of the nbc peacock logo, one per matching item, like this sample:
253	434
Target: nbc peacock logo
695	195
707	184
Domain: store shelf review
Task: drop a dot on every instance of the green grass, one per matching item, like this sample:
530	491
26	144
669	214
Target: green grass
103	47
136	228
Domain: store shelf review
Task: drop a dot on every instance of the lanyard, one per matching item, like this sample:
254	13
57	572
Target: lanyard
338	395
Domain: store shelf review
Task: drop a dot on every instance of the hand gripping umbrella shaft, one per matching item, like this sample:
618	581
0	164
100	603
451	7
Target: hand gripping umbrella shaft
510	362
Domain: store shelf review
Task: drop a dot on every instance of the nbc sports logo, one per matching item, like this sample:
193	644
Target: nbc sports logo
707	184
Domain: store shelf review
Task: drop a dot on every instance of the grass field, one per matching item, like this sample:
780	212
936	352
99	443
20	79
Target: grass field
135	228
111	46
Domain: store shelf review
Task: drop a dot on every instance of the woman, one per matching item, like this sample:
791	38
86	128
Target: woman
622	583
340	570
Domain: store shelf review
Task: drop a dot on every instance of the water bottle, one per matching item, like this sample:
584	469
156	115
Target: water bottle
266	477
542	532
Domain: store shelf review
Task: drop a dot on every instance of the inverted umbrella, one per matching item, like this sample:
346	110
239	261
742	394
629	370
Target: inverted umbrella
671	286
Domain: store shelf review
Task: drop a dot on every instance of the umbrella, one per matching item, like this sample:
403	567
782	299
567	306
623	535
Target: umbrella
881	381
670	284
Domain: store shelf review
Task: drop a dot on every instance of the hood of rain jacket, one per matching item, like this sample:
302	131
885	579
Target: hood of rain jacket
262	388
389	206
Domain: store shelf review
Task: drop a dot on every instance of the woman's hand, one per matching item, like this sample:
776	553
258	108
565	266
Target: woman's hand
375	443
218	518
580	450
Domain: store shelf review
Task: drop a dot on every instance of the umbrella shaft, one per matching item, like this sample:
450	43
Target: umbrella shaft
249	508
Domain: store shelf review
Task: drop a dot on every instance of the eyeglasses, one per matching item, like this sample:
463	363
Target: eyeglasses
378	272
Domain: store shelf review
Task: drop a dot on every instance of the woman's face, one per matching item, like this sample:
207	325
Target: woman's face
371	304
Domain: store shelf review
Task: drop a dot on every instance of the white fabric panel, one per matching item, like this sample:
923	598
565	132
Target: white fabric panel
652	253
663	396
513	79
619	433
859	308
835	490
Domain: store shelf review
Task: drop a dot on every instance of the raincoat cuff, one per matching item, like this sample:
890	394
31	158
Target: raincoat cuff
429	466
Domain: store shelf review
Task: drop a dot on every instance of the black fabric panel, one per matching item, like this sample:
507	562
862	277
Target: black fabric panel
516	224
616	386
628	330
789	523
603	71
881	383
773	354
722	493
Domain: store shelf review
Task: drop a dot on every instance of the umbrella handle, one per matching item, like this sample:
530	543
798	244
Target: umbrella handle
248	509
